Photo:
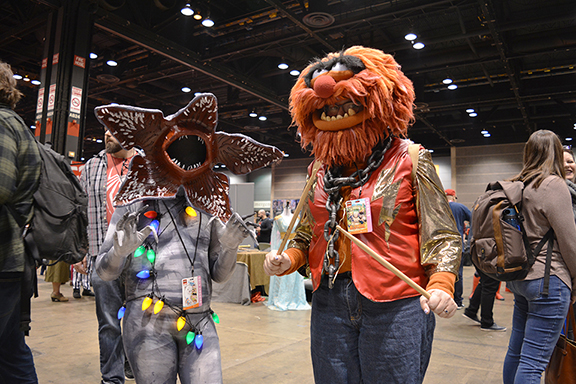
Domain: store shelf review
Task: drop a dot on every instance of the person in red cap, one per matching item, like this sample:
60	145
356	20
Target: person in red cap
461	214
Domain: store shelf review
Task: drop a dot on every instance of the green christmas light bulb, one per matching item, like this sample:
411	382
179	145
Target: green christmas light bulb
215	318
139	251
151	255
190	337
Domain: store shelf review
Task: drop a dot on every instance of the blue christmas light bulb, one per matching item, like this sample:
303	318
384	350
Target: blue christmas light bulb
154	224
144	274
121	312
199	341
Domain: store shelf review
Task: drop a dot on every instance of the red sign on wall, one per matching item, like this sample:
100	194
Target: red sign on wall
55	58
79	61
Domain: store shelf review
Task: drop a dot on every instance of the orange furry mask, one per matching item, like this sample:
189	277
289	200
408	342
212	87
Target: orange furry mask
347	102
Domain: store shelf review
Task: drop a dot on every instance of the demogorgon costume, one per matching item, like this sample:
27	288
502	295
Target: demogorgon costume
367	325
167	238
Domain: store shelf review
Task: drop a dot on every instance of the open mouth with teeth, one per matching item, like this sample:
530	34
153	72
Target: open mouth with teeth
340	116
187	152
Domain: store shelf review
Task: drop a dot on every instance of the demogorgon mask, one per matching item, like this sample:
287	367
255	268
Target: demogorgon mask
180	151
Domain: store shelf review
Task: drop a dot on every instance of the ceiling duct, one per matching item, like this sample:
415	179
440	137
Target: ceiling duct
317	15
164	5
111	5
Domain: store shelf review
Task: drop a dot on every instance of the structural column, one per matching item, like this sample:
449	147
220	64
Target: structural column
61	106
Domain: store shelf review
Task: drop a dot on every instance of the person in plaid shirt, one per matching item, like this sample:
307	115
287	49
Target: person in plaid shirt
20	164
101	179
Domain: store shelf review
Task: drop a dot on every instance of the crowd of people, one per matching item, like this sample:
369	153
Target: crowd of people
149	249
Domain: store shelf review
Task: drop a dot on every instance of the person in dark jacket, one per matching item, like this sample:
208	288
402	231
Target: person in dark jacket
19	175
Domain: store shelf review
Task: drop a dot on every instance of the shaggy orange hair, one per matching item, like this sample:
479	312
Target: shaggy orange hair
385	93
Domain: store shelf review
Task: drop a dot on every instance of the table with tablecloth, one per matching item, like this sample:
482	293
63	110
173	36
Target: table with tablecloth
254	259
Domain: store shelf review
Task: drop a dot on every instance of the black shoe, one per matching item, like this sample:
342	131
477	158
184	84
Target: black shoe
128	371
494	328
76	294
474	319
87	292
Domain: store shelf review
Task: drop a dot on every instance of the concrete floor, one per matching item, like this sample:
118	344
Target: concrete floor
259	345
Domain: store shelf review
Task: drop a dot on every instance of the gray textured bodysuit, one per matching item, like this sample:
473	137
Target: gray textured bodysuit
157	351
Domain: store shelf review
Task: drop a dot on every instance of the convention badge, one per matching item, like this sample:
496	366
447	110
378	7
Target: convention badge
358	216
191	292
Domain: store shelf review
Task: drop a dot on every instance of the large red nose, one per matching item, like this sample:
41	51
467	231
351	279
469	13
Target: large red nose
324	86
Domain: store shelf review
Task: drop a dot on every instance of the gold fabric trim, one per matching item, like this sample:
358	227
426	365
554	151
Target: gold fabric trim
387	190
303	234
440	241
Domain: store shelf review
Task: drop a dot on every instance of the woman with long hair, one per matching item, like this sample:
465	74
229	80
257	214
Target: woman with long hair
538	318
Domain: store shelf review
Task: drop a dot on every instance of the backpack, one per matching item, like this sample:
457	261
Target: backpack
57	231
499	246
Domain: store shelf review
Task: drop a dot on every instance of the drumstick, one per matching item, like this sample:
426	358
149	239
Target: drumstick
301	203
385	263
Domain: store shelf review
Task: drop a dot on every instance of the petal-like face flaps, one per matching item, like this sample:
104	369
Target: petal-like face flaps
242	155
181	150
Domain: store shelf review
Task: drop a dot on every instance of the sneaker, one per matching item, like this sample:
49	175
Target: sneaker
494	328
475	319
128	371
76	294
460	306
87	292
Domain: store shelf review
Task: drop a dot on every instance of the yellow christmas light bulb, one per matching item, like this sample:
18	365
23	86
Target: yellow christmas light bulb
181	323
146	303
158	306
191	212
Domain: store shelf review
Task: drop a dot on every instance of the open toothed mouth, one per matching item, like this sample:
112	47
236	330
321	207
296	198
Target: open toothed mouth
187	152
340	111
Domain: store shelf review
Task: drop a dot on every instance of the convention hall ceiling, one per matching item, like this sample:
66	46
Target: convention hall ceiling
512	61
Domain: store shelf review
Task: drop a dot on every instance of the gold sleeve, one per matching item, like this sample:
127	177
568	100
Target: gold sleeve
440	241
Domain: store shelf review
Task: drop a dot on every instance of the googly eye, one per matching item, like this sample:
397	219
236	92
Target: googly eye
339	67
318	72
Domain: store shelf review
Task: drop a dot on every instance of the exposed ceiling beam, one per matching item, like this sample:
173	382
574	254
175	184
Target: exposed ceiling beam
502	49
158	44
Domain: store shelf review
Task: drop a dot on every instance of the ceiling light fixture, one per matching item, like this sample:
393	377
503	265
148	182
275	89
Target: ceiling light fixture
447	81
418	45
470	110
197	93
112	63
452	87
262	118
568	139
484	132
487	134
187	10
473	114
26	78
93	55
410	36
282	66
36	82
19	77
295	72
186	89
431	150
208	22
286	154
253	114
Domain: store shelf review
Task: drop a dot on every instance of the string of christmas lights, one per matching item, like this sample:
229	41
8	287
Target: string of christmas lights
148	248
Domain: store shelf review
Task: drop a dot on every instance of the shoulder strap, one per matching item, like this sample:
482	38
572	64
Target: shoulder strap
413	151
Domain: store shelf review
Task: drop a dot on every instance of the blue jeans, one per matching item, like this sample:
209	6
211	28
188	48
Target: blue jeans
536	326
109	299
459	286
16	362
355	340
